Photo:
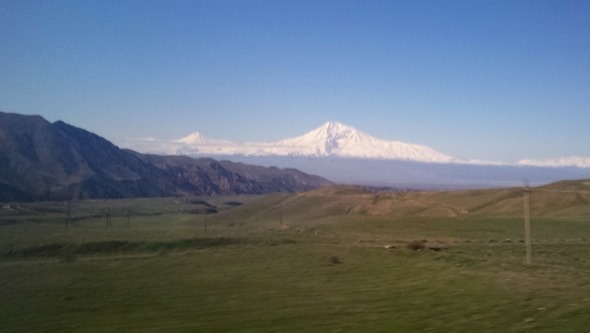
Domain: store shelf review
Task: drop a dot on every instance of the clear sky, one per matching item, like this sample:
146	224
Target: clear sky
491	80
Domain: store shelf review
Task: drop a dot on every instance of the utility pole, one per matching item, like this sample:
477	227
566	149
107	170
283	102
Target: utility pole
527	222
108	216
68	213
205	221
73	194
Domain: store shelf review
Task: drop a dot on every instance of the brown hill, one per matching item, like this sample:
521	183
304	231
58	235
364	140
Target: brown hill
564	199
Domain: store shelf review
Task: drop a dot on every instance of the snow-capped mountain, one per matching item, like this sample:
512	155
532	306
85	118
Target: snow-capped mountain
331	139
343	154
336	139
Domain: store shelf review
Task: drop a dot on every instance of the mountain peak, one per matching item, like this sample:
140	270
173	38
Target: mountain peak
334	125
193	139
334	128
331	137
323	139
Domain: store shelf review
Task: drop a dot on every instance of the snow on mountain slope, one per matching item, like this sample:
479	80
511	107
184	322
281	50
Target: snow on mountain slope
331	139
336	139
571	161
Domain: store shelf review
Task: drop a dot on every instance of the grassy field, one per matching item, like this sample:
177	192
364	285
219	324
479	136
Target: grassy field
320	262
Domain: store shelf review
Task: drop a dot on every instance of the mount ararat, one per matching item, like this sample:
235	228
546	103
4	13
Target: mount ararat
333	139
344	154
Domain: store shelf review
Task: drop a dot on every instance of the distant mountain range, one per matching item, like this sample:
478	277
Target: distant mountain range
40	160
343	154
331	139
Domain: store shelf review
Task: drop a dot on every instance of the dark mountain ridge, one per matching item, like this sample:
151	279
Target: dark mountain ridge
40	160
234	177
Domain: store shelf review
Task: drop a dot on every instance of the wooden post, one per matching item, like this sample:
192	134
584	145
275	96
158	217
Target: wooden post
68	213
108	216
527	222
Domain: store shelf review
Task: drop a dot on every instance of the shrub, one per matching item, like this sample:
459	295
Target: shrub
335	260
68	257
416	245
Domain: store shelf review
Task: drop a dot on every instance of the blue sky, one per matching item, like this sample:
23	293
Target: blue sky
490	80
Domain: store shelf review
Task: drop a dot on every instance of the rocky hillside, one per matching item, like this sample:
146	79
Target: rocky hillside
40	160
212	176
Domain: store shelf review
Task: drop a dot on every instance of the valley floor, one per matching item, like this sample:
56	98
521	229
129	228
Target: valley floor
161	265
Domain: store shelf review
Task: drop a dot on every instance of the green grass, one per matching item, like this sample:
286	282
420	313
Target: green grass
249	273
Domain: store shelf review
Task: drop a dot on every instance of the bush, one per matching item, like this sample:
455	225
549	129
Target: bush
416	245
335	260
68	257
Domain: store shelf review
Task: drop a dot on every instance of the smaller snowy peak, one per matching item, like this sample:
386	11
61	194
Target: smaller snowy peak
194	138
197	138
